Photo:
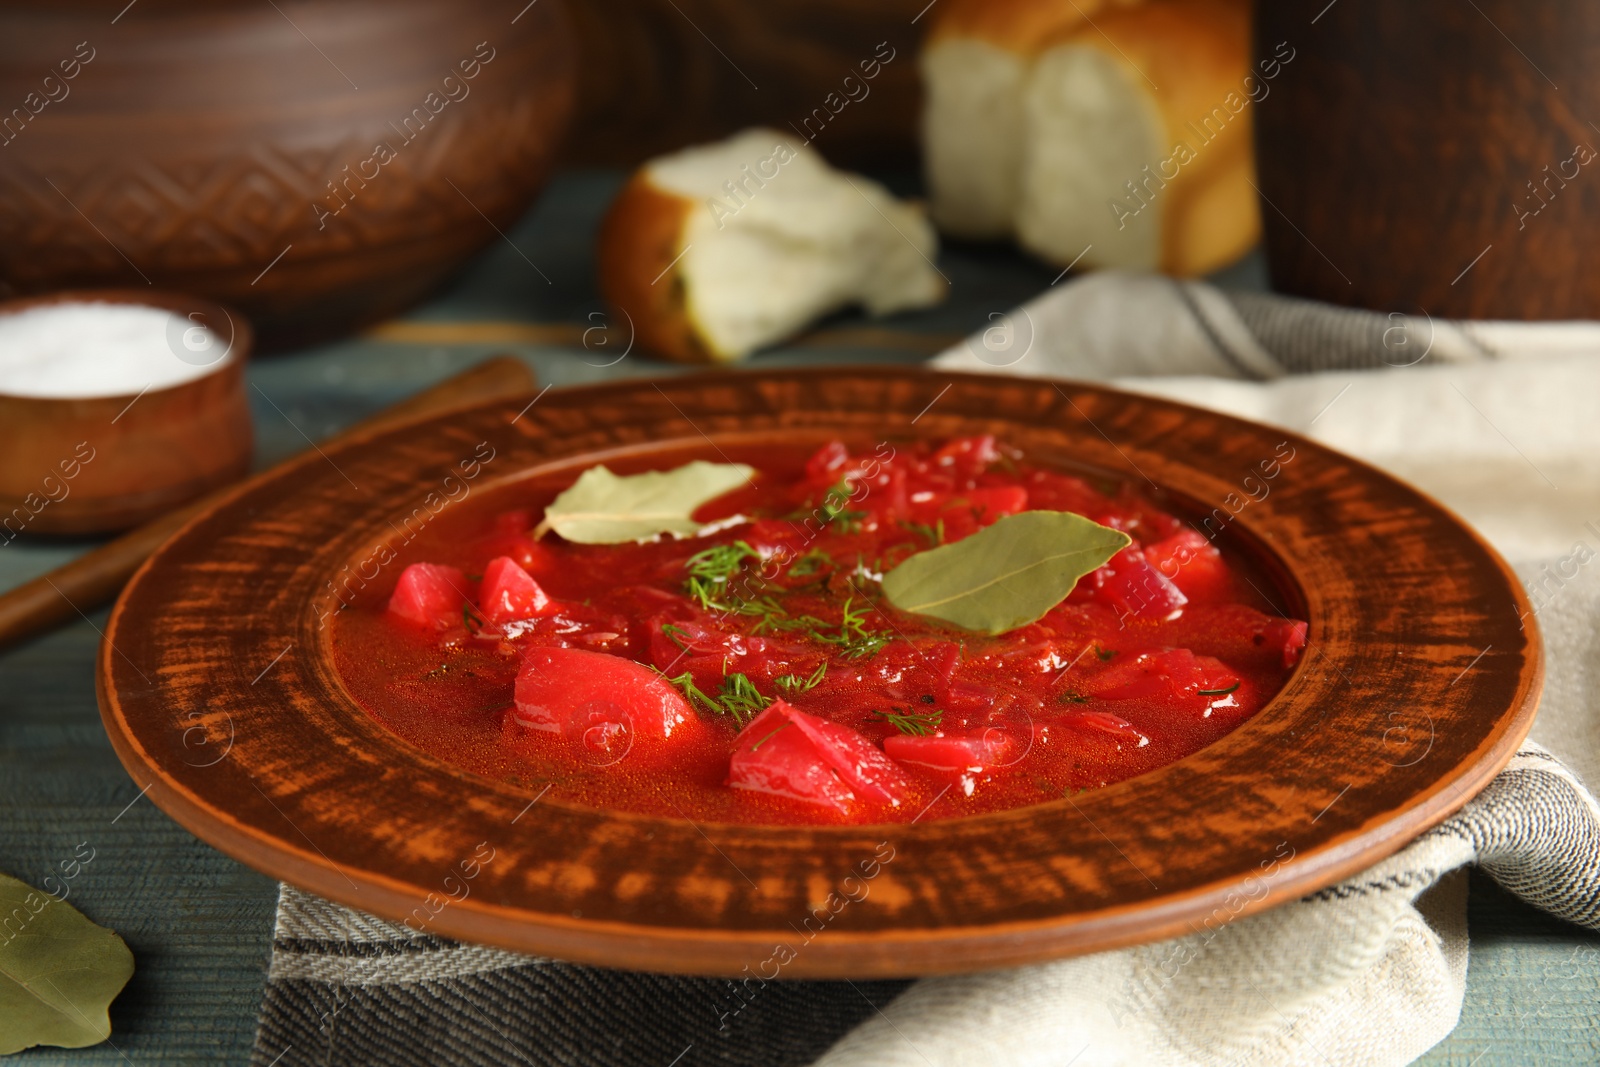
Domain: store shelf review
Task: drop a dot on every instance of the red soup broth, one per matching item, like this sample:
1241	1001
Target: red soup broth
777	686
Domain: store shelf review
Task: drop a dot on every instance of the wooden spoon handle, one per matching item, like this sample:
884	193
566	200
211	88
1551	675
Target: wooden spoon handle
98	575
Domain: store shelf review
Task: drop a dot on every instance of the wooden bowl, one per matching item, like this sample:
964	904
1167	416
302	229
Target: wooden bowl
232	149
1421	679
104	463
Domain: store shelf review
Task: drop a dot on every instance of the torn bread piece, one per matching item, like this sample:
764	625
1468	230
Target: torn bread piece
1110	134
715	251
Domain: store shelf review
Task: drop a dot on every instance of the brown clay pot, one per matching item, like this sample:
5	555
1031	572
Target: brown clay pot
237	150
1433	156
656	75
99	464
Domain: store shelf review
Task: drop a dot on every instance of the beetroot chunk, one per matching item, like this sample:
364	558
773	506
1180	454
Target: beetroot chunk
430	595
596	698
510	593
788	753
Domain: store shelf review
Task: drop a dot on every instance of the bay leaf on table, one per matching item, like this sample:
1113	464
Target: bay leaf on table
1006	575
59	972
602	508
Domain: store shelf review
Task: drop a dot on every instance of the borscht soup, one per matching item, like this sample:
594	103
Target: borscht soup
833	636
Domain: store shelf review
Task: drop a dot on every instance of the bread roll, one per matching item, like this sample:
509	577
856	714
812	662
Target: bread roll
715	251
975	63
1115	132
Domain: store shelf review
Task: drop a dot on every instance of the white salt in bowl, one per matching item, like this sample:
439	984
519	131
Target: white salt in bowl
117	405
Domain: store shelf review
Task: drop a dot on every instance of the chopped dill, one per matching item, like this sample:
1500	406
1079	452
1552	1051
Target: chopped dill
808	564
1218	692
1067	696
741	699
720	563
694	694
738	696
934	534
835	512
851	637
793	683
909	721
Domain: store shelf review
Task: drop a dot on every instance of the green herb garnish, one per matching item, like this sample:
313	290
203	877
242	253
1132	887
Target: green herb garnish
793	683
738	696
1069	697
914	723
808	564
834	510
694	694
1218	692
721	563
741	698
934	534
851	637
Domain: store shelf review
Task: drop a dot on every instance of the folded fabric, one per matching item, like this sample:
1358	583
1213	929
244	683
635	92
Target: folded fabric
1489	417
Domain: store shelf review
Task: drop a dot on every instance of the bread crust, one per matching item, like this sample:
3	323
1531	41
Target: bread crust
640	266
1021	26
1197	52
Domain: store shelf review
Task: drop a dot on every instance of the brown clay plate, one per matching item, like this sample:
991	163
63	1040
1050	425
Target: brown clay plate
1421	678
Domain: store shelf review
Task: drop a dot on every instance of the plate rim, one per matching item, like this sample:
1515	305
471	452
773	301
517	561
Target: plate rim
839	953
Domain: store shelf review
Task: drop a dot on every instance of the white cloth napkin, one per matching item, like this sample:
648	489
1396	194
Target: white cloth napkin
1501	421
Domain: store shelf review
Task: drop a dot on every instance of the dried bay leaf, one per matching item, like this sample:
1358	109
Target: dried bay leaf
602	508
59	972
1005	575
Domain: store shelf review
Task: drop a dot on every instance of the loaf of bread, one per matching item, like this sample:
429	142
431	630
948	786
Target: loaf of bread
715	251
1107	133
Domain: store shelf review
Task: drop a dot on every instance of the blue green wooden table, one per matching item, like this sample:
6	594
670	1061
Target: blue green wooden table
200	924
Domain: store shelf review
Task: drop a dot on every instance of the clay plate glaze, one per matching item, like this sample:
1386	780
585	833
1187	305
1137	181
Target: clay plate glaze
1421	677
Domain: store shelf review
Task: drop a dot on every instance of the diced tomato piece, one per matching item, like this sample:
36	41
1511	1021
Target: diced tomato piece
825	464
790	753
777	538
1136	588
1174	675
593	697
908	673
1192	563
984	506
966	457
509	536
1289	636
509	594
969	753
430	594
774	757
859	762
965	511
1062	492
